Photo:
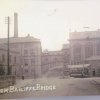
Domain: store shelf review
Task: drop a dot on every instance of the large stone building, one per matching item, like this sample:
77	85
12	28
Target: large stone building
85	49
14	61
52	60
84	45
29	49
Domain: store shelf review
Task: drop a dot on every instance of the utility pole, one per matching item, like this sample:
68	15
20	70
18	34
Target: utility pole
8	24
8	47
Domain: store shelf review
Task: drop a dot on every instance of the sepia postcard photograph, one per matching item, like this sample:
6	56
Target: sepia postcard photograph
49	48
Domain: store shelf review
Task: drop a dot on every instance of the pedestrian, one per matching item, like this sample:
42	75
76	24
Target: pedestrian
82	74
22	77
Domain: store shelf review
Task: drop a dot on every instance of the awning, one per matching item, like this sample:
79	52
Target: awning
79	66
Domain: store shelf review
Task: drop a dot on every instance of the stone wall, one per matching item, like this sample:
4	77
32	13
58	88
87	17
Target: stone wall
7	80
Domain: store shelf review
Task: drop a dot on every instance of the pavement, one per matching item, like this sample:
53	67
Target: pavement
23	83
64	87
20	84
97	80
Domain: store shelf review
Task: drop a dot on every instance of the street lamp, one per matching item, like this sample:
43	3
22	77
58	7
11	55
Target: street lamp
22	72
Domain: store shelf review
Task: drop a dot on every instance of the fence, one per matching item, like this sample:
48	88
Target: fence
7	80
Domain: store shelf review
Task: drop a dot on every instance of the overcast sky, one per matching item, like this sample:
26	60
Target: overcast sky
50	21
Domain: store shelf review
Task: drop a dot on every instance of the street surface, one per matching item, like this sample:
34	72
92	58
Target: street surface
64	87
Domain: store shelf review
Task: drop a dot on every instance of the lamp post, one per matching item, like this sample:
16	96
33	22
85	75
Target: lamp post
22	72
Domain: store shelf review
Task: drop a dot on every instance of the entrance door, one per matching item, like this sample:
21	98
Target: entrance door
93	72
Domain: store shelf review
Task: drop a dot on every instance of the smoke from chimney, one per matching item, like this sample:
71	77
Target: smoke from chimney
15	25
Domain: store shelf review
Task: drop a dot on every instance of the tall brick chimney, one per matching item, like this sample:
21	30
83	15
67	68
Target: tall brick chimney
15	25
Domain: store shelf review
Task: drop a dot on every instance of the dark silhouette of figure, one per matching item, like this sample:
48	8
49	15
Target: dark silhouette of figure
94	73
22	77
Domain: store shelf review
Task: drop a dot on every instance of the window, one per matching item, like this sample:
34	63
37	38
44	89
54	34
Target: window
25	52
3	58
46	59
26	62
26	70
15	59
32	61
32	52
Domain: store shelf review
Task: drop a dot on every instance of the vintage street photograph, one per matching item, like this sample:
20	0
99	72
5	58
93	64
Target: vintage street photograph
49	48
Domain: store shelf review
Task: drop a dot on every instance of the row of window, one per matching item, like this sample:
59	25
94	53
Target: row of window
31	52
26	70
78	50
88	48
54	59
26	62
11	58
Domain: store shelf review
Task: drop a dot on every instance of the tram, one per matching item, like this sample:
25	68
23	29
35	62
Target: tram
79	71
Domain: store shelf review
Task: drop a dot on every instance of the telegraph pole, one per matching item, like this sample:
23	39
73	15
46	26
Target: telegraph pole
8	24
8	47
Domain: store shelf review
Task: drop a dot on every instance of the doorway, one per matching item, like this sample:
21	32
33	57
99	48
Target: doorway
93	72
